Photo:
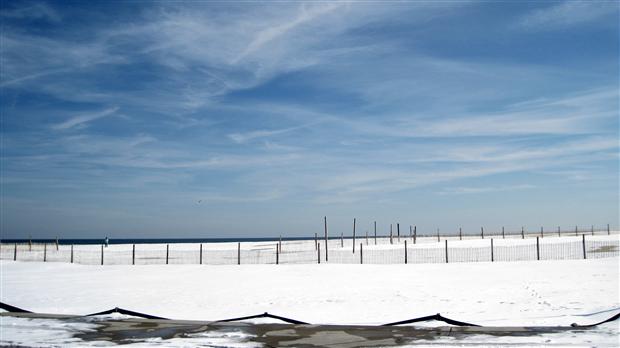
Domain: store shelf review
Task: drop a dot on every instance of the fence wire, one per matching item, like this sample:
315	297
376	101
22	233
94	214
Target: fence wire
306	252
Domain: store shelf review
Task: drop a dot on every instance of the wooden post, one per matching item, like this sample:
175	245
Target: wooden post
102	254
537	249
410	231
542	233
318	253
405	252
592	229
398	231
56	243
44	252
522	233
438	240
608	229
200	254
167	252
15	253
446	250
361	253
280	243
341	240
482	232
238	253
278	254
391	235
503	235
492	256
375	233
315	241
354	235
415	232
366	237
29	243
71	253
133	254
559	231
576	232
583	245
460	233
326	256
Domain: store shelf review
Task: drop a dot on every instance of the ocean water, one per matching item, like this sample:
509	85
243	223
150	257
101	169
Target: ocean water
155	240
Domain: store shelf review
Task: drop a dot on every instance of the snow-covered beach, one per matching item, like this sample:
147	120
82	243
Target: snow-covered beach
524	293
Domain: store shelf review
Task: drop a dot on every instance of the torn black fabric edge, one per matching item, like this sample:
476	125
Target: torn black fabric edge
13	309
437	317
265	315
126	312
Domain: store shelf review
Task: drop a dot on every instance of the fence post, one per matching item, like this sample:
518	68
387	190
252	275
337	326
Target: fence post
315	241
537	249
318	253
200	254
102	254
366	237
391	241
492	258
133	254
361	253
592	229
522	233
341	239
410	231
278	254
398	232
29	243
583	245
239	253
559	231
576	234
15	253
280	243
460	233
438	240
415	233
542	234
44	252
405	252
325	225
446	250
167	252
354	235
608	229
71	253
375	233
482	232
503	235
56	243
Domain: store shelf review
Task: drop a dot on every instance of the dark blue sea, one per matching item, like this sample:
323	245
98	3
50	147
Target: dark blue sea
154	240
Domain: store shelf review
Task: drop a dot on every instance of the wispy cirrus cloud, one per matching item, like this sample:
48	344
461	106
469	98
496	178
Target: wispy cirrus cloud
568	13
475	190
81	120
33	11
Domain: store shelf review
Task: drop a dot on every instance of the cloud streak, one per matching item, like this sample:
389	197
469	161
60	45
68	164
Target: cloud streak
81	120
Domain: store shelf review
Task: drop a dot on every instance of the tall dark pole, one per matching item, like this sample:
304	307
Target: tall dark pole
375	233
325	220
354	235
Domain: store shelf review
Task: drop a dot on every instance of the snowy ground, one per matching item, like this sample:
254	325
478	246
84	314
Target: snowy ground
492	294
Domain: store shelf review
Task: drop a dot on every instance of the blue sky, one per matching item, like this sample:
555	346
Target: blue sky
246	119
